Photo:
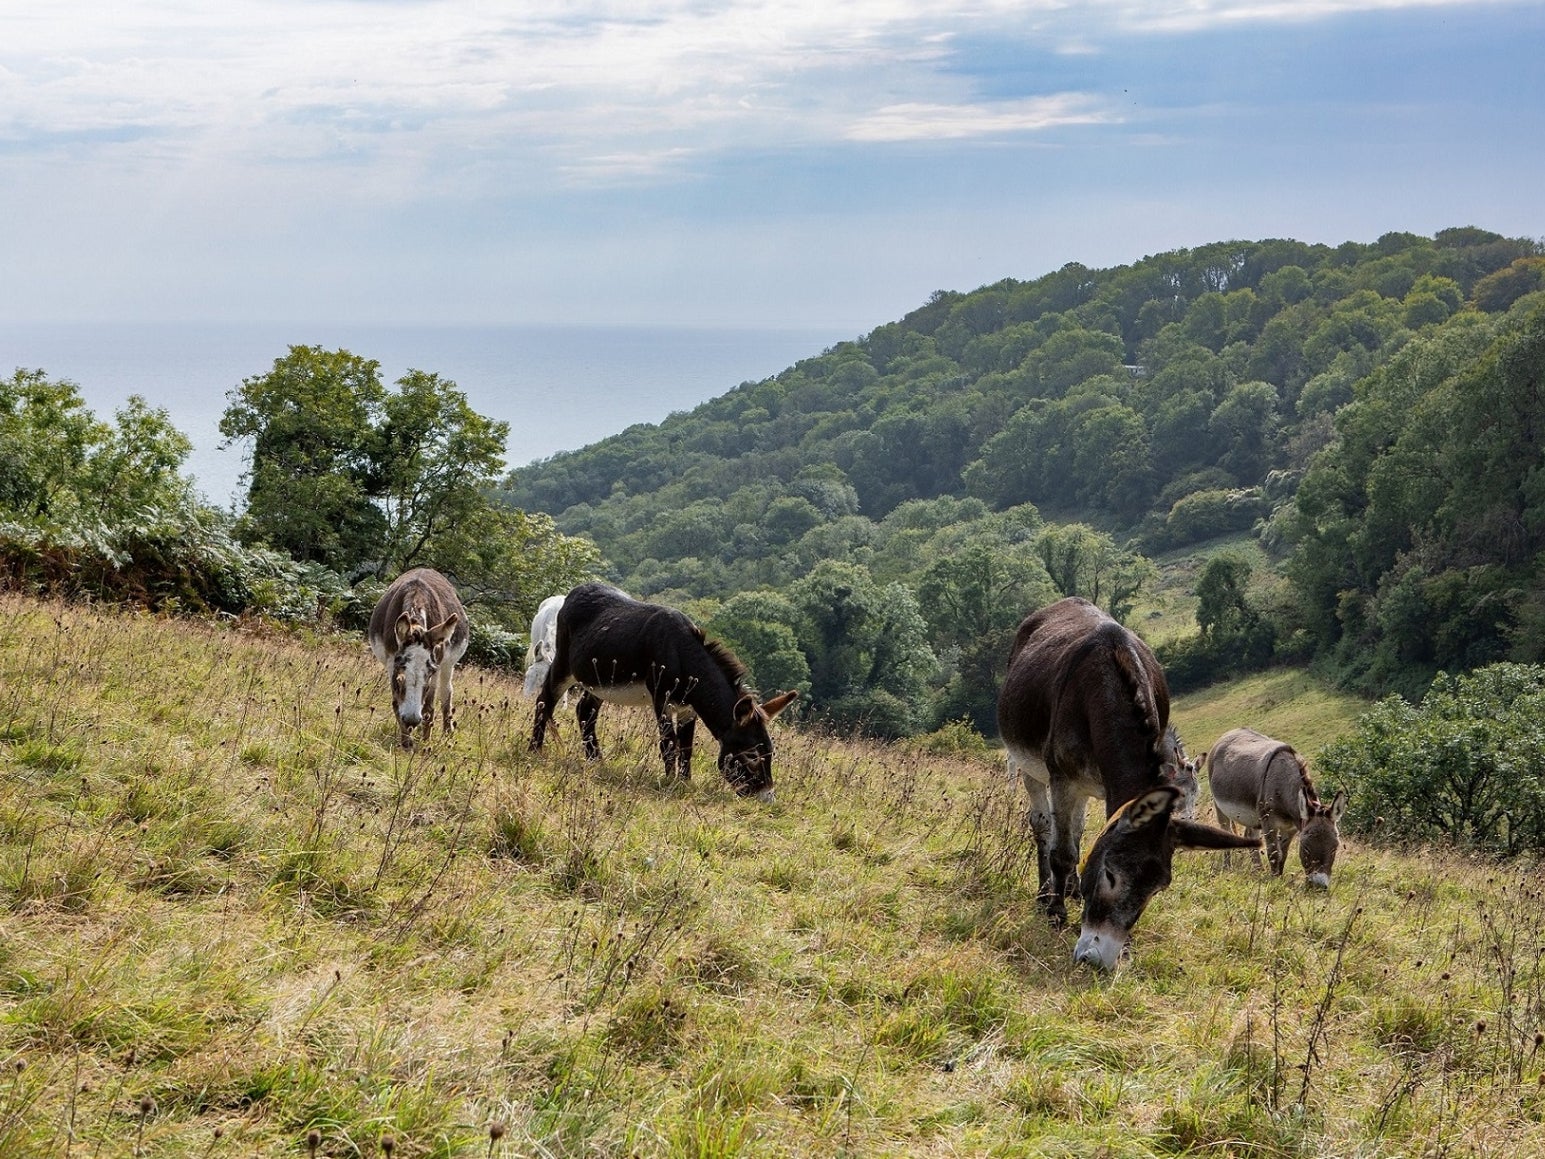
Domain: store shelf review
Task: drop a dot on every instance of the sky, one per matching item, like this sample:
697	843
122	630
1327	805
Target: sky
764	163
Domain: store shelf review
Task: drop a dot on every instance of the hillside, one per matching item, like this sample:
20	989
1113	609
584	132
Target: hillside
1360	420
238	920
1106	396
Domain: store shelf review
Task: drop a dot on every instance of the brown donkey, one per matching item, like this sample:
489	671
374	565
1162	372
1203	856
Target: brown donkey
1084	712
419	631
1263	785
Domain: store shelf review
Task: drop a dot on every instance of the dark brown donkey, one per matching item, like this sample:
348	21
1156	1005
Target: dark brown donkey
1084	712
616	648
419	631
1263	785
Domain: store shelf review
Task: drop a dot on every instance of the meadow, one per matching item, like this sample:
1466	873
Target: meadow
236	919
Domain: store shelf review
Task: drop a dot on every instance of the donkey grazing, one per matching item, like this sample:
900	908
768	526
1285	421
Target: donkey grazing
626	651
1181	771
1084	712
419	631
1263	785
544	642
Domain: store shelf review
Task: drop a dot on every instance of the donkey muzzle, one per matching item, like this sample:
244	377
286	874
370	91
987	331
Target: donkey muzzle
1098	947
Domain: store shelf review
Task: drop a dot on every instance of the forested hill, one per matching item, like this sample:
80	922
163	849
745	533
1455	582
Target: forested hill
1164	402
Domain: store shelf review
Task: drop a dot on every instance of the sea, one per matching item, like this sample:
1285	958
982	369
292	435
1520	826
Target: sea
560	387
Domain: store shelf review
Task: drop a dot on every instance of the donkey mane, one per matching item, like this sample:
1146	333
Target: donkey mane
730	664
1310	792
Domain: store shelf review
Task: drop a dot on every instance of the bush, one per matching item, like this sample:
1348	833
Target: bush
1208	514
1467	766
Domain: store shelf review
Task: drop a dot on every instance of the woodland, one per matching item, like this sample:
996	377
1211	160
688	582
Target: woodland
1364	419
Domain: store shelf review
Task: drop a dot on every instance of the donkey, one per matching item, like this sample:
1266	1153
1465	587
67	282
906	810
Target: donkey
419	631
623	650
1084	712
1263	785
544	642
1181	770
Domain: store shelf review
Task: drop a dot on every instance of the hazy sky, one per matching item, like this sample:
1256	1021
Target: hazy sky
713	162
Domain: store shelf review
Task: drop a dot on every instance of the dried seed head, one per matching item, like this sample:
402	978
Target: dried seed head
496	1130
147	1106
1480	1026
313	1140
388	1144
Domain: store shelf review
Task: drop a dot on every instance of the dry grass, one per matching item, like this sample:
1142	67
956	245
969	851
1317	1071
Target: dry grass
236	920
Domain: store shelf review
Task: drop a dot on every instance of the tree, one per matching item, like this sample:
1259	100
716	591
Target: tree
62	468
759	627
867	647
1084	562
433	460
46	437
312	421
973	600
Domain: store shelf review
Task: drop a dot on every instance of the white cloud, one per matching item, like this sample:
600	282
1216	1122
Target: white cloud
578	82
924	122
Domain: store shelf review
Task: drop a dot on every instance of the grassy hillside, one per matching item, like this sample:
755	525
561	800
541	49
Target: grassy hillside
236	920
1285	703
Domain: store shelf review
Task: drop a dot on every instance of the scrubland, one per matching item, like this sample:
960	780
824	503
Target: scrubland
235	919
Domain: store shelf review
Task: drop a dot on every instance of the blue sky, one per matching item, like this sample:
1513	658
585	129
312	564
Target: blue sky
710	162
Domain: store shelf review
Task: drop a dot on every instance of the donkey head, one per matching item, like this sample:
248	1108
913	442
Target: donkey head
1130	862
745	751
1320	838
1179	770
419	652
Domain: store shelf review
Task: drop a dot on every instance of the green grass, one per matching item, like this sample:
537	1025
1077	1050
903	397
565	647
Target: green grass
1288	704
234	916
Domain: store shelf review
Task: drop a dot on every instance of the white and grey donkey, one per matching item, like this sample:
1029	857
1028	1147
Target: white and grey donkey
419	631
1263	785
543	646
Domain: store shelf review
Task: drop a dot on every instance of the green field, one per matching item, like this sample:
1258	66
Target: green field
236	920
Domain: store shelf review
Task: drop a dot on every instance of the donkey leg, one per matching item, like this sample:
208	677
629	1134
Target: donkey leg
1277	841
666	723
429	709
1228	827
1043	823
1070	806
588	708
546	698
447	712
685	731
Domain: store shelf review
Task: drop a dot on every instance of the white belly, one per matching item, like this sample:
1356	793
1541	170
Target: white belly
1239	812
636	696
1030	767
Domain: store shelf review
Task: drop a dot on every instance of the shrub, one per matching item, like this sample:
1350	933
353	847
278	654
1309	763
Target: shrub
1466	766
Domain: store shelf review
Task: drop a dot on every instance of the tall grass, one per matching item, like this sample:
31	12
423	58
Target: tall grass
236	919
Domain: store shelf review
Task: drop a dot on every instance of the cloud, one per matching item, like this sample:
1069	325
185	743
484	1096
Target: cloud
925	122
577	80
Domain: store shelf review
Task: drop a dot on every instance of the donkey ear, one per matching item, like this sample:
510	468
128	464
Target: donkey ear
745	710
778	703
1338	805
1154	805
403	628
441	632
1195	835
